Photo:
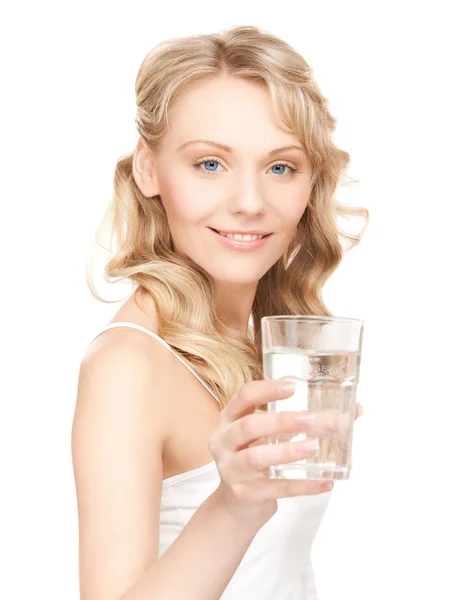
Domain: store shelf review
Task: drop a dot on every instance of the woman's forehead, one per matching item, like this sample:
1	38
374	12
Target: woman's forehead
232	117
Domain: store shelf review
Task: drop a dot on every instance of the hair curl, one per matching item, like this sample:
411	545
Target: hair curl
183	292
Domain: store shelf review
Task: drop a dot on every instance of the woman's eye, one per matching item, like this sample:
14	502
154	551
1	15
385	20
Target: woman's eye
284	165
212	163
211	166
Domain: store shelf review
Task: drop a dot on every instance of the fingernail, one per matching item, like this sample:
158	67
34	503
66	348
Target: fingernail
305	446
302	420
287	388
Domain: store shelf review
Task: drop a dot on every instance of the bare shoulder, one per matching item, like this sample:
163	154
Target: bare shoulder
125	360
118	432
138	310
129	357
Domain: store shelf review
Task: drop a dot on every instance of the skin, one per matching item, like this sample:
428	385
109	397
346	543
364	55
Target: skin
243	190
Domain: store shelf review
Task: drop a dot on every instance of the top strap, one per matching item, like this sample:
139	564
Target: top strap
166	345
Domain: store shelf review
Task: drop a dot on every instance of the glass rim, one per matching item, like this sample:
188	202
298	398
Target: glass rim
310	317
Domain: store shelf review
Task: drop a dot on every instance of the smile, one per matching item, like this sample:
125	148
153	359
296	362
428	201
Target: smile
239	241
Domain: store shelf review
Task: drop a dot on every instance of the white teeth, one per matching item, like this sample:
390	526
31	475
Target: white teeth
239	236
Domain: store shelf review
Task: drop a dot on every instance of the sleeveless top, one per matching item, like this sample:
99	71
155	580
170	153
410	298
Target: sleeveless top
277	564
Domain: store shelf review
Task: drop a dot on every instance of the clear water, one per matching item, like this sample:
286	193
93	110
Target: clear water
326	385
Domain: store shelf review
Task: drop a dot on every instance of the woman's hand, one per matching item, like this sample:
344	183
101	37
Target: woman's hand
242	455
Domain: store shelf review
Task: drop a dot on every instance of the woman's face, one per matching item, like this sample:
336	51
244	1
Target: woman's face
245	187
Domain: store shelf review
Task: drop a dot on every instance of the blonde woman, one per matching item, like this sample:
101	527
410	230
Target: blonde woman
169	444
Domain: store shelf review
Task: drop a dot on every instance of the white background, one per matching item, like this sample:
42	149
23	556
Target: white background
67	115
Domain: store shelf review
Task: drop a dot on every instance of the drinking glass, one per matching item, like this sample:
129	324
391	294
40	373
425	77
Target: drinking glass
322	356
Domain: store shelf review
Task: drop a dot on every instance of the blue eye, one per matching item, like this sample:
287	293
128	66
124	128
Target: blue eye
279	165
284	165
213	162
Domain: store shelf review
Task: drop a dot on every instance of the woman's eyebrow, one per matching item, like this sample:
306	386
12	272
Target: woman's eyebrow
231	150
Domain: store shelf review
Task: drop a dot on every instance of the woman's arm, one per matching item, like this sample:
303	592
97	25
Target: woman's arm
201	561
120	424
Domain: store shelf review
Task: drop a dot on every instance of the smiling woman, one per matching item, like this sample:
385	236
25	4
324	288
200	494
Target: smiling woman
259	182
224	212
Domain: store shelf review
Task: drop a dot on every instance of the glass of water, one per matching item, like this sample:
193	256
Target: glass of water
322	356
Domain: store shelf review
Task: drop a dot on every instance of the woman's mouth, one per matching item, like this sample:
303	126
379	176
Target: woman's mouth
241	241
240	237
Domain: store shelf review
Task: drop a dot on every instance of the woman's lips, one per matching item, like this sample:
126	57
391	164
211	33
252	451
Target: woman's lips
240	244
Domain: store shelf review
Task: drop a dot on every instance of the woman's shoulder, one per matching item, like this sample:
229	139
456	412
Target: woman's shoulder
130	356
137	310
126	361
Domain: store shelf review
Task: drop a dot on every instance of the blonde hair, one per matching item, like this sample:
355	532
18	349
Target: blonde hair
183	292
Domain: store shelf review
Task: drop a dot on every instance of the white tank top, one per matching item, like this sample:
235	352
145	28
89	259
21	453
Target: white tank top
277	564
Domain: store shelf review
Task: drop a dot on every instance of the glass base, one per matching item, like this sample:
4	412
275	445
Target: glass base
318	470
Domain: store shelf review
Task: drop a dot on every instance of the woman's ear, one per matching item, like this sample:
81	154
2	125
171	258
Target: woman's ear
144	170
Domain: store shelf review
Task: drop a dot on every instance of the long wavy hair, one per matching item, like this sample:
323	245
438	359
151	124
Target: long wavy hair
183	292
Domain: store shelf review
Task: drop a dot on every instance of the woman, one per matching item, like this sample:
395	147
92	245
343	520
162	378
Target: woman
170	454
